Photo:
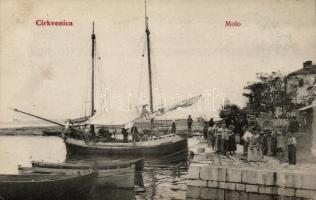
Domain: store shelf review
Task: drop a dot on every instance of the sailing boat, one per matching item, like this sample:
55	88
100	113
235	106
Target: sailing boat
164	145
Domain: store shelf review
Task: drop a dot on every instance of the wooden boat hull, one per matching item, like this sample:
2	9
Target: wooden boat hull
109	178
162	146
45	187
112	174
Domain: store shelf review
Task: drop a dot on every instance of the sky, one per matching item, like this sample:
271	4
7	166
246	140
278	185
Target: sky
46	70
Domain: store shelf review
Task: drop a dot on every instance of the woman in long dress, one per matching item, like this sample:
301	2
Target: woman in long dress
232	147
218	141
225	139
292	149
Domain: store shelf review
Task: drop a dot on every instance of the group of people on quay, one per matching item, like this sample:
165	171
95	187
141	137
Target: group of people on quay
220	137
277	143
224	135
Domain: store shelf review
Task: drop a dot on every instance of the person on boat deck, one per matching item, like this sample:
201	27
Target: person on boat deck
125	135
189	122
135	134
101	132
92	133
67	131
86	133
205	130
144	110
173	127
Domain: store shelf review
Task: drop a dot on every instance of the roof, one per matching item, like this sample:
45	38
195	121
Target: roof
307	70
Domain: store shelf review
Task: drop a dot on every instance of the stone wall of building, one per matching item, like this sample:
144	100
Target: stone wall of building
302	87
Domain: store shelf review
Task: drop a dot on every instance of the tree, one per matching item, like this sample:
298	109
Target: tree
230	113
268	93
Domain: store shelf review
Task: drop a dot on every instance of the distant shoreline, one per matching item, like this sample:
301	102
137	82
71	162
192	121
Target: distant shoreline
32	130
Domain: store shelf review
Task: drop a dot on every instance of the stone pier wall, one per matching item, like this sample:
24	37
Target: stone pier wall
246	182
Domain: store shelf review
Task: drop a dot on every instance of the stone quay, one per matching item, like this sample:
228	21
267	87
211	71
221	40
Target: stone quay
213	176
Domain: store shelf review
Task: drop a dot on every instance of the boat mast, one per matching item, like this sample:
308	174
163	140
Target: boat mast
92	75
149	64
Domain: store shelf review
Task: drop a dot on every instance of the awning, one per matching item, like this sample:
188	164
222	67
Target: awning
307	107
113	118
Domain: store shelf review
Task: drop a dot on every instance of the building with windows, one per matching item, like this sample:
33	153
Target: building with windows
301	84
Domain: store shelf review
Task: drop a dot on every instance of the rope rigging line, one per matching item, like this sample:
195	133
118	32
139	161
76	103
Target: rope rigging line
141	88
156	76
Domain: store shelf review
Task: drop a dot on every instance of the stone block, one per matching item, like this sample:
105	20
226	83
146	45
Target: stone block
289	192
231	186
253	196
199	157
244	195
266	177
193	192
267	190
251	188
197	183
308	181
194	172
308	194
286	198
290	179
212	184
209	173
249	176
213	173
220	194
240	187
232	195
222	173
234	175
223	185
200	150
209	193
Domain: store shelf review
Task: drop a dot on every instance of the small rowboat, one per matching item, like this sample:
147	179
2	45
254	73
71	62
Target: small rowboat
47	186
111	174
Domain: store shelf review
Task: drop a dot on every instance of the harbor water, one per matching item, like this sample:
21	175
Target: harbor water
164	178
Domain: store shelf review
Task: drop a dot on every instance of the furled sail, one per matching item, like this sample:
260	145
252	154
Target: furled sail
127	118
162	111
79	120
